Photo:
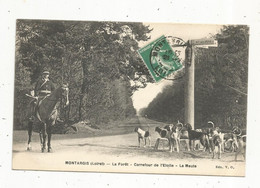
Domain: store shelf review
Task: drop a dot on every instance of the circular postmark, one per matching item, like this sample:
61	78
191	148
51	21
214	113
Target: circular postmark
167	56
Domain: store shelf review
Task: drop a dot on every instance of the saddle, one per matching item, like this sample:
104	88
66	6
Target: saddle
35	106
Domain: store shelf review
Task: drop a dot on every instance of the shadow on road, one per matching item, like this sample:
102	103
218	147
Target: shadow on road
193	155
131	147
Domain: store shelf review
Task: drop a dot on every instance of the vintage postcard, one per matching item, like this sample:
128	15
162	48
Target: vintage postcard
130	97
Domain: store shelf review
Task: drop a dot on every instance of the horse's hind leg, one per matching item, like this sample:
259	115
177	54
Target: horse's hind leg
40	135
44	134
49	138
30	126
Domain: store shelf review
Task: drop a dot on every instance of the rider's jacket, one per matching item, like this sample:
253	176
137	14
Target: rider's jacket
43	87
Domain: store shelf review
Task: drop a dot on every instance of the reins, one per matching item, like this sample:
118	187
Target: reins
48	97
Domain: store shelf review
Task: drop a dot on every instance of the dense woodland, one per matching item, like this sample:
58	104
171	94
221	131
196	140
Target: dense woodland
100	63
221	80
97	59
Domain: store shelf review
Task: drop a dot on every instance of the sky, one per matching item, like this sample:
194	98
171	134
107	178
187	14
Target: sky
142	97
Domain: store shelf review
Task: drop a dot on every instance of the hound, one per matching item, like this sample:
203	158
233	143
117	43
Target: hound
197	135
217	130
174	135
221	136
215	140
229	138
236	130
242	147
184	135
208	133
163	132
216	143
143	135
164	135
179	132
240	139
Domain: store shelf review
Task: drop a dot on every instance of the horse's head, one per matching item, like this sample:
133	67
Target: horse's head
65	94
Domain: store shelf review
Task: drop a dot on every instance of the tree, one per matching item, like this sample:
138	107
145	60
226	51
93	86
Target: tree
221	90
91	57
117	44
221	77
167	106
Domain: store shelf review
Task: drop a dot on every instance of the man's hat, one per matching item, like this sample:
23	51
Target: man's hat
45	72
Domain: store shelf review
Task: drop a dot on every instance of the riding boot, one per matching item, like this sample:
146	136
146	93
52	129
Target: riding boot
33	110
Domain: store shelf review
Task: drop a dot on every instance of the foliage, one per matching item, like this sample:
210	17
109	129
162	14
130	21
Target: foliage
168	105
221	76
97	59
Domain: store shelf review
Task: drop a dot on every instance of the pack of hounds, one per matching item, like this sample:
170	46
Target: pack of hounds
211	139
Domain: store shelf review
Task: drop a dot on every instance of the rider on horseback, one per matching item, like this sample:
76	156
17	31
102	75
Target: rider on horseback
44	109
43	88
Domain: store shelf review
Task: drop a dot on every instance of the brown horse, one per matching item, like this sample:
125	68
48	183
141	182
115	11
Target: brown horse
46	114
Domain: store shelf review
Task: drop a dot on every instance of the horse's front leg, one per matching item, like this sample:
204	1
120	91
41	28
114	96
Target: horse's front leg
49	138
44	134
30	127
40	135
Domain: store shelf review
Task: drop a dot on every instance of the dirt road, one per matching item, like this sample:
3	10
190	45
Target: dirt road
118	153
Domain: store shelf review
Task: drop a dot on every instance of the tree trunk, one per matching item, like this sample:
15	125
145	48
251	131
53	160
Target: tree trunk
83	87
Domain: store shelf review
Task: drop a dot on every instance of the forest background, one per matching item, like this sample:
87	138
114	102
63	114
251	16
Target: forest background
100	63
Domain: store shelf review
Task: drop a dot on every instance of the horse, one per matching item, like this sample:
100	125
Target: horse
46	114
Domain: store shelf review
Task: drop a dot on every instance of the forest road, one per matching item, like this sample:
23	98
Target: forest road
100	153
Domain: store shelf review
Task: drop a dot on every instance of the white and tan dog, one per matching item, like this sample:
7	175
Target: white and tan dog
240	140
215	140
143	135
174	135
164	136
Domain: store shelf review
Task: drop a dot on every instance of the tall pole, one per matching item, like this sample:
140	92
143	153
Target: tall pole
189	85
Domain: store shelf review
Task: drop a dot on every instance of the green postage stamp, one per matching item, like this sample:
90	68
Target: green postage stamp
160	59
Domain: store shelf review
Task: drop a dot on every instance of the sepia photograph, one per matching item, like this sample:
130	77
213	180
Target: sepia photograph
130	97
